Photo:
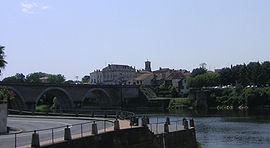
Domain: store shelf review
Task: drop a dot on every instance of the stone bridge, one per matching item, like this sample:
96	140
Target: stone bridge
72	96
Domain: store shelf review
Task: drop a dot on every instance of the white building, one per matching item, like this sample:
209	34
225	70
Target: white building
96	77
118	74
113	75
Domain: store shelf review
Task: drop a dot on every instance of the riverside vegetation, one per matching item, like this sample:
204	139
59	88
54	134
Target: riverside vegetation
240	86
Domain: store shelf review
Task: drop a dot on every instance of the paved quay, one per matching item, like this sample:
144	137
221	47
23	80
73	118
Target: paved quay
124	124
27	124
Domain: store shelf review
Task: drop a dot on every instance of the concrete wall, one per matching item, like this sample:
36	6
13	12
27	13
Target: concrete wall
3	118
132	138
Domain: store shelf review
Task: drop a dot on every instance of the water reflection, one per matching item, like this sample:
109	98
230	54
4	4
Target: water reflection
222	129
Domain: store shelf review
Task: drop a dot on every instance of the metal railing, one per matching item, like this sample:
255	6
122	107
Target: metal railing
51	135
157	125
80	112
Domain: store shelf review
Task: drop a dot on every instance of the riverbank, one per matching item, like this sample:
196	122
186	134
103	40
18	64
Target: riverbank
175	103
238	98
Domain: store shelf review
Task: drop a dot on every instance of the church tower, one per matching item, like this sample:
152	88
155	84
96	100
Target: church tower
148	66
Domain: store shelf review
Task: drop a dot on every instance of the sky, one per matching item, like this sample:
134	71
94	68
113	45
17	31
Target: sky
74	38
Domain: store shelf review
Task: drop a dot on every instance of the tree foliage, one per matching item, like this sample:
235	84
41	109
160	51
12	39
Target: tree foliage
56	78
18	78
34	78
86	79
3	62
198	71
204	80
254	73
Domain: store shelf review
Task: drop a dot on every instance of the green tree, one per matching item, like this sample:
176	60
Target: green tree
255	74
56	78
204	80
266	72
86	79
198	71
35	77
3	62
225	76
240	75
18	78
174	92
5	94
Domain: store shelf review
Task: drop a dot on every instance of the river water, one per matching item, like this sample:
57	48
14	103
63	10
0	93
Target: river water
227	129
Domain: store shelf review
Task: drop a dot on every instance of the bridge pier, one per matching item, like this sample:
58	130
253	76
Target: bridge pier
31	106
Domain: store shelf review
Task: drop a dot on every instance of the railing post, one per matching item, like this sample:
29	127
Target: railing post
144	121
185	124
104	125
147	119
15	140
166	128
168	120
52	136
116	125
81	130
136	121
94	128
184	119
67	135
191	123
131	121
35	140
176	124
157	126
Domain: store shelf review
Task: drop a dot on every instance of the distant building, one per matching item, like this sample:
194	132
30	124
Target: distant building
118	74
148	66
113	75
162	74
96	77
142	78
44	79
178	79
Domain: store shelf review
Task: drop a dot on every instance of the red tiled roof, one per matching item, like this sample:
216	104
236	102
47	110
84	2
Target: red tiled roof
175	75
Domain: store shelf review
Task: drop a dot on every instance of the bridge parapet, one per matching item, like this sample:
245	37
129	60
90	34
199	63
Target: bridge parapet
74	95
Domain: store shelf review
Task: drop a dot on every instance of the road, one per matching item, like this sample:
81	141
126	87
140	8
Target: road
29	124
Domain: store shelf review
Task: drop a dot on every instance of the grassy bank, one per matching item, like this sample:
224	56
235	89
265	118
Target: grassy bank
199	144
175	103
42	108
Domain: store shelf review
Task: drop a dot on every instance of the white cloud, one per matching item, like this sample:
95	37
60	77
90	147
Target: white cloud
44	7
32	7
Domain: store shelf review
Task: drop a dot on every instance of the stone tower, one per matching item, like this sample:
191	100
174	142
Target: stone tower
148	66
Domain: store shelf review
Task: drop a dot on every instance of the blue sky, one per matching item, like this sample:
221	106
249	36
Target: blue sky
74	38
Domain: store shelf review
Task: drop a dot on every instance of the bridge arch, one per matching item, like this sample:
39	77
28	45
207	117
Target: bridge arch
64	98
19	101
98	97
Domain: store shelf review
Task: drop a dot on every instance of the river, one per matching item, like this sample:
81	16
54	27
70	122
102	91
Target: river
227	129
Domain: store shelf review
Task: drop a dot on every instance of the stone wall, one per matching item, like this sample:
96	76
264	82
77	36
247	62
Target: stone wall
139	137
199	96
178	139
3	118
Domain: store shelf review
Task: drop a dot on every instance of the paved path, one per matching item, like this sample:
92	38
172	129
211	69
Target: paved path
28	123
123	125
